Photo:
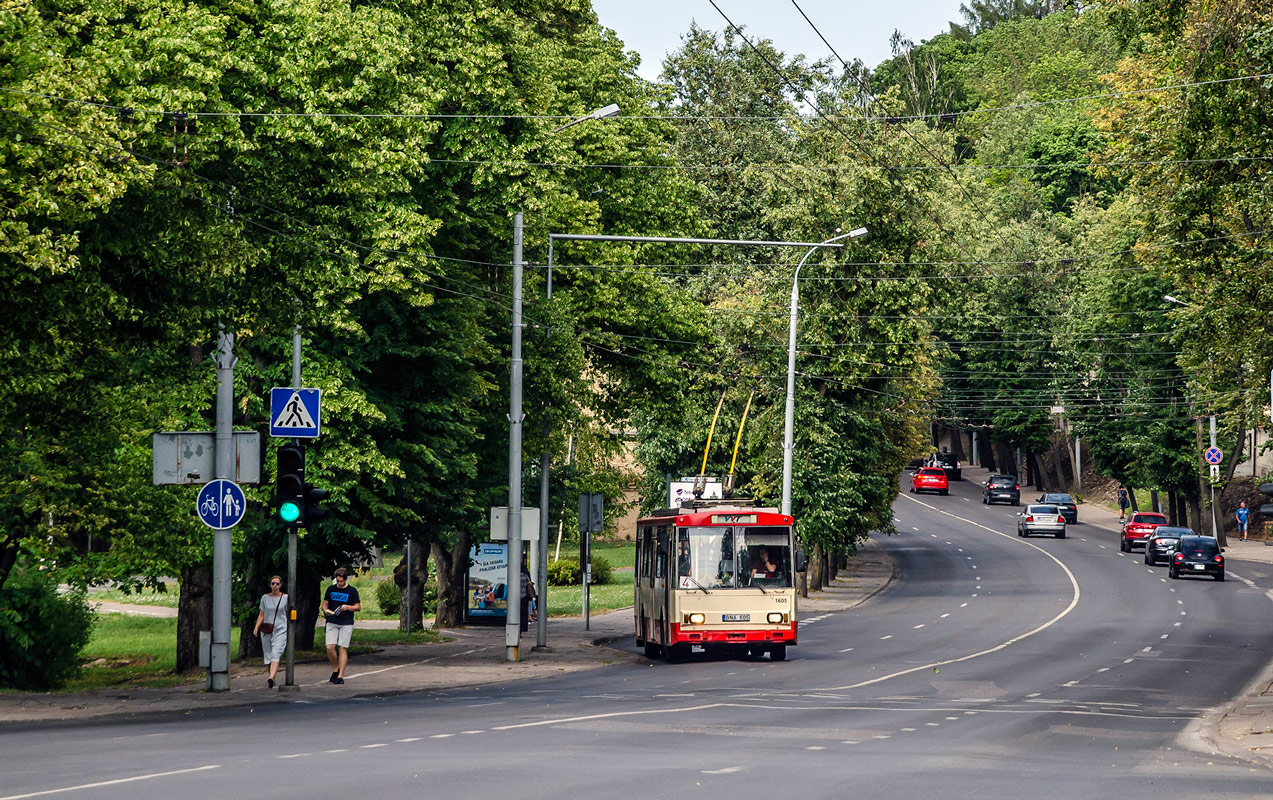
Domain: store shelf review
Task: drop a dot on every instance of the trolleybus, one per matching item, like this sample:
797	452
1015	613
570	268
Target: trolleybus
716	576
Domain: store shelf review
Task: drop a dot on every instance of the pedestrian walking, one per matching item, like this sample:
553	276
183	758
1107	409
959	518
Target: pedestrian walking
527	595
271	626
1124	502
340	601
1242	515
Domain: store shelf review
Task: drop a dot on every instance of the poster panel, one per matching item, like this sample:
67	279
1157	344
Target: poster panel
485	586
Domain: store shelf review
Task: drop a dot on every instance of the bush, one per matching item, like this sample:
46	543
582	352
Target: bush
41	632
388	597
565	571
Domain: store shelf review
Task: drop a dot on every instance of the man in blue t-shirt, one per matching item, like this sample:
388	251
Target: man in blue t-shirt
340	601
1242	514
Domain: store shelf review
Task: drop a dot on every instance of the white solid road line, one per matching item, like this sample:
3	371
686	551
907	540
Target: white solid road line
115	782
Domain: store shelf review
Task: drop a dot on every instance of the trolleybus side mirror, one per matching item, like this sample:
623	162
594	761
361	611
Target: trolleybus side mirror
801	563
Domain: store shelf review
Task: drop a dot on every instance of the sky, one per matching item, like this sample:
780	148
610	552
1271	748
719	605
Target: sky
856	29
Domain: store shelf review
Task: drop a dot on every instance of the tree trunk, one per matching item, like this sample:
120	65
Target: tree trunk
249	645
411	604
1195	509
986	452
1131	498
194	614
1171	509
1154	502
815	569
1235	456
452	568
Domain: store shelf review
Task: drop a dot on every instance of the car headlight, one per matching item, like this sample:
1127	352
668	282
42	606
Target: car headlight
695	619
776	617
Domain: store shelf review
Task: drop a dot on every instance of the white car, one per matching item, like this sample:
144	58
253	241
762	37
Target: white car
1041	519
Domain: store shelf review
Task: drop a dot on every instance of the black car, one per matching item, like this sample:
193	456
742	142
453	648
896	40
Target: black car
1001	489
1065	503
949	464
1197	555
1163	543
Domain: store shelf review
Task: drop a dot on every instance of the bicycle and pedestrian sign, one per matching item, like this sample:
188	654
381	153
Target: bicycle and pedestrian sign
221	504
295	413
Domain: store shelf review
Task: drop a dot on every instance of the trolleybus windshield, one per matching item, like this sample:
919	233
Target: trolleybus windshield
734	556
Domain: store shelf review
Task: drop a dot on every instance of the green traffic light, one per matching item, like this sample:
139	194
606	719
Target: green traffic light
289	512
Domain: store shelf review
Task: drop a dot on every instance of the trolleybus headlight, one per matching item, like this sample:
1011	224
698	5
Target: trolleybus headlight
776	616
695	619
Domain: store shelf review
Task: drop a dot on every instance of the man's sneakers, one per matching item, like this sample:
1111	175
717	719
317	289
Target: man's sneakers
338	680
335	677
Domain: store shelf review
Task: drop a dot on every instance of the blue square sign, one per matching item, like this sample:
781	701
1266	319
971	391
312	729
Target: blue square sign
294	413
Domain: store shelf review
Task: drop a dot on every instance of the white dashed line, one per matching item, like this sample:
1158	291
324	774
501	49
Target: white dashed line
442	736
882	638
943	616
933	724
1032	694
963	605
724	771
372	746
412	739
1146	650
815	747
1130	660
1071	683
846	650
296	755
336	751
917	627
908	730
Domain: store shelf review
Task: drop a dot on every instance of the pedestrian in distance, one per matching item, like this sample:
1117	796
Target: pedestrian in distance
1242	515
1124	502
271	626
340	601
527	595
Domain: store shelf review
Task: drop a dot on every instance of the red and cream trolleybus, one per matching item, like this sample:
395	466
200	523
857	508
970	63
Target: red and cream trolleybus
715	576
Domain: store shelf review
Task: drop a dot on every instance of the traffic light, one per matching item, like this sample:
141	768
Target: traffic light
1266	489
290	487
313	513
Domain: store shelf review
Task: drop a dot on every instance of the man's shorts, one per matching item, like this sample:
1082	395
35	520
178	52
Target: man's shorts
339	635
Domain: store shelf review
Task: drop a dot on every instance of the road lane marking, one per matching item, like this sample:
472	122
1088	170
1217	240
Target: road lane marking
296	755
412	739
1103	669
917	627
723	771
943	616
372	746
847	649
882	638
442	736
815	747
1074	600
115	782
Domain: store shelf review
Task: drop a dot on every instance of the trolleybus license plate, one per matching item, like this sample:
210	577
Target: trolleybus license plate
735	617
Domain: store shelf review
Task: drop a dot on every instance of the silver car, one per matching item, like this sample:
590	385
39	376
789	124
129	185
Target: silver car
1041	519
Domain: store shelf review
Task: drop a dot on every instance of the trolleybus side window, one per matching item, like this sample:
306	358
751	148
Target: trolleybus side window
661	554
644	552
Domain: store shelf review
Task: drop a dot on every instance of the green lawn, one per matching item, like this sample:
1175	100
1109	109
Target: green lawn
568	600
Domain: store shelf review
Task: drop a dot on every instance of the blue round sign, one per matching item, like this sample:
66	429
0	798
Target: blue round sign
221	504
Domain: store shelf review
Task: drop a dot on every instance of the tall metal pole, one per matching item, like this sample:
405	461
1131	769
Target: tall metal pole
513	582
789	422
1078	466
289	683
541	574
1214	513
219	669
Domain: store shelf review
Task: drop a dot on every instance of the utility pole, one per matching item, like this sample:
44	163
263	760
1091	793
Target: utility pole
219	662
513	581
289	683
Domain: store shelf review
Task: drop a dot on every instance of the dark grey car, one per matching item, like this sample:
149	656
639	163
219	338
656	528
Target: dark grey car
1164	541
1001	489
1064	503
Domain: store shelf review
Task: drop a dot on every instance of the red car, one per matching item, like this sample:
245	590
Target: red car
930	479
1138	530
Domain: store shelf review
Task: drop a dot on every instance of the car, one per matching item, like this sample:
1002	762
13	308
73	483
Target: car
949	464
930	479
1163	542
1041	519
1197	555
1001	488
1064	503
1138	529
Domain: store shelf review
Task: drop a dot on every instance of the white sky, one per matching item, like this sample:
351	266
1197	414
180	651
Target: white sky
856	29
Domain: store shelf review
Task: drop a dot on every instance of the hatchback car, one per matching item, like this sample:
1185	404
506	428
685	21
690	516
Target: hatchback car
1138	530
930	479
1197	555
1041	519
1001	489
1064	503
1163	543
953	468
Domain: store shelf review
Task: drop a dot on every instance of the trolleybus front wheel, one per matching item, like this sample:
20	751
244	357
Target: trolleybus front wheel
652	650
778	652
676	653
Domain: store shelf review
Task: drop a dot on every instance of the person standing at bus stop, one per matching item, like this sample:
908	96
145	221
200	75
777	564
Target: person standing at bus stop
527	595
340	601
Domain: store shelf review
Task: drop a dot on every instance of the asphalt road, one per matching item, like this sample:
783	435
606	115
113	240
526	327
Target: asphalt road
994	667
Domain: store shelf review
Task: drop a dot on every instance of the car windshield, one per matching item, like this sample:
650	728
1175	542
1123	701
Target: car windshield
931	471
1003	480
1199	546
1042	510
1163	531
1152	519
1058	498
733	556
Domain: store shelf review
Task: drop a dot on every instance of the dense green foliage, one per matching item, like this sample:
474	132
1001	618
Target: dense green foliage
41	631
566	572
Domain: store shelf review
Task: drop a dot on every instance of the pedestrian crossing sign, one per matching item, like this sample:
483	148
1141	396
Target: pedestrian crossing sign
294	413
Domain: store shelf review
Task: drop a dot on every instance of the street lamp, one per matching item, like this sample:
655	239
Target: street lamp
1171	299
513	579
788	439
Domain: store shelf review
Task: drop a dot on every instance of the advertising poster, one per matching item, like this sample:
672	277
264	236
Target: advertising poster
486	590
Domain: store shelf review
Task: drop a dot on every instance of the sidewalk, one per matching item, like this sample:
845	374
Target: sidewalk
470	657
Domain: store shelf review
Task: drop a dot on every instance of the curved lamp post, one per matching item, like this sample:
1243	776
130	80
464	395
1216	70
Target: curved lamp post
788	439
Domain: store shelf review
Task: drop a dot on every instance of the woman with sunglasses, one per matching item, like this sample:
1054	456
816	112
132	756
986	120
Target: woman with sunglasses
271	626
